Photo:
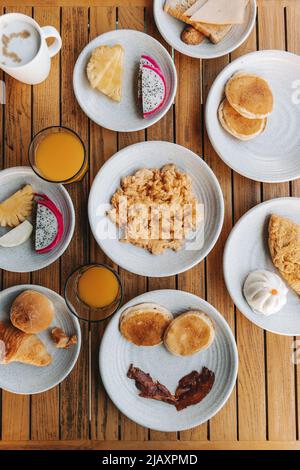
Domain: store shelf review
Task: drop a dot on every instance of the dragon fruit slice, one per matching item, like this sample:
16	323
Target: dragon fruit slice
153	90
145	60
49	225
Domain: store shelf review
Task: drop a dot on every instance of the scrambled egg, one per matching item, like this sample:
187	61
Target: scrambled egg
156	208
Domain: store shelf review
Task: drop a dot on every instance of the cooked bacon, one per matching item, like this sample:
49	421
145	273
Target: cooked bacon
150	388
193	387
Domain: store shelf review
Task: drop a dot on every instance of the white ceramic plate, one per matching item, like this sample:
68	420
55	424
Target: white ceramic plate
116	354
25	379
155	154
170	28
273	156
23	258
248	241
124	116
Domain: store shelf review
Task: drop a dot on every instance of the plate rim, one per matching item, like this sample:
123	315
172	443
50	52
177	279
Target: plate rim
196	55
146	122
230	336
269	53
27	170
78	332
225	257
219	194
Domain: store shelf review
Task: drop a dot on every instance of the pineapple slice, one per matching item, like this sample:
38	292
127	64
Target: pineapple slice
17	207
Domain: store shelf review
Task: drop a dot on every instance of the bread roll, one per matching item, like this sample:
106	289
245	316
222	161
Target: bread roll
31	312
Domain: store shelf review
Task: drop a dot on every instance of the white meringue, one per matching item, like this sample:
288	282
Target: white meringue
265	292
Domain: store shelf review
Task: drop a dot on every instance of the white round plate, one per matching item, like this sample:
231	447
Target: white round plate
170	28
25	379
248	241
273	156
23	258
155	154
116	354
124	116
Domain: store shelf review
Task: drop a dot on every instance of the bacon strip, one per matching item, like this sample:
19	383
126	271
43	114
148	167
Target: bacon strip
148	387
193	387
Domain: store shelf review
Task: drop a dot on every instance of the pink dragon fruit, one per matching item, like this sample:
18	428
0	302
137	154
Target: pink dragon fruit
153	90
145	60
49	225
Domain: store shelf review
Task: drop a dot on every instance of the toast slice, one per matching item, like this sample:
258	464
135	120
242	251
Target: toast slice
177	9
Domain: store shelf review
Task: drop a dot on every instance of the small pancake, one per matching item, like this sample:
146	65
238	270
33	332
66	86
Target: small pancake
237	125
250	95
189	333
144	324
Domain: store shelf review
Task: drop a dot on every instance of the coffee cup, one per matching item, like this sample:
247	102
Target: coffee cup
24	52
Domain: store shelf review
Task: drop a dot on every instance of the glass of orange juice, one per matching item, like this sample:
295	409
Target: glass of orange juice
93	292
57	154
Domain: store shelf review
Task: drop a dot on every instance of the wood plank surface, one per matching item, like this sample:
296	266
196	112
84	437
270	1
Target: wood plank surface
280	369
46	112
263	411
103	144
250	339
131	18
75	389
16	408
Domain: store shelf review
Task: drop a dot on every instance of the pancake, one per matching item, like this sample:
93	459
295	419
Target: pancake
237	125
144	324
189	333
250	95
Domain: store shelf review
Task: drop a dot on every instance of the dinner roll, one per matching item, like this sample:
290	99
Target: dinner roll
31	312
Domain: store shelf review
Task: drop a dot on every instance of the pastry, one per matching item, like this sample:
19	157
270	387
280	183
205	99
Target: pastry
17	207
61	340
184	9
237	125
284	245
31	312
105	70
17	346
145	323
189	333
265	292
192	36
250	95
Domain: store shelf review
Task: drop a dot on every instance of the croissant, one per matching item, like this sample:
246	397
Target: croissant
16	346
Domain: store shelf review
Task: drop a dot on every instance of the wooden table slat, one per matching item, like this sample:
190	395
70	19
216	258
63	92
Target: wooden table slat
263	411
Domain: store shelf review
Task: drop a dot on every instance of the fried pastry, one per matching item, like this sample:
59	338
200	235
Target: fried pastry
284	245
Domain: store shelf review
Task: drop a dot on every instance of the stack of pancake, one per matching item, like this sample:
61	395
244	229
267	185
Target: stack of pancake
248	101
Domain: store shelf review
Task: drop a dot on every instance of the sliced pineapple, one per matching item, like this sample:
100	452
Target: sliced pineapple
17	207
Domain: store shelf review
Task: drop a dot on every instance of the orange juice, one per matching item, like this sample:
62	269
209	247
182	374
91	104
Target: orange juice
97	287
59	156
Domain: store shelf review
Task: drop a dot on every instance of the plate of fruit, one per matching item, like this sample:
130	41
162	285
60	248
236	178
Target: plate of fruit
37	220
125	80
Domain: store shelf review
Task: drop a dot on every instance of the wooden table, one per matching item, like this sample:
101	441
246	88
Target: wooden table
263	411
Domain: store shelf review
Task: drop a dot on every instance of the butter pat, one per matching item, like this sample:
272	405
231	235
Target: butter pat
105	70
